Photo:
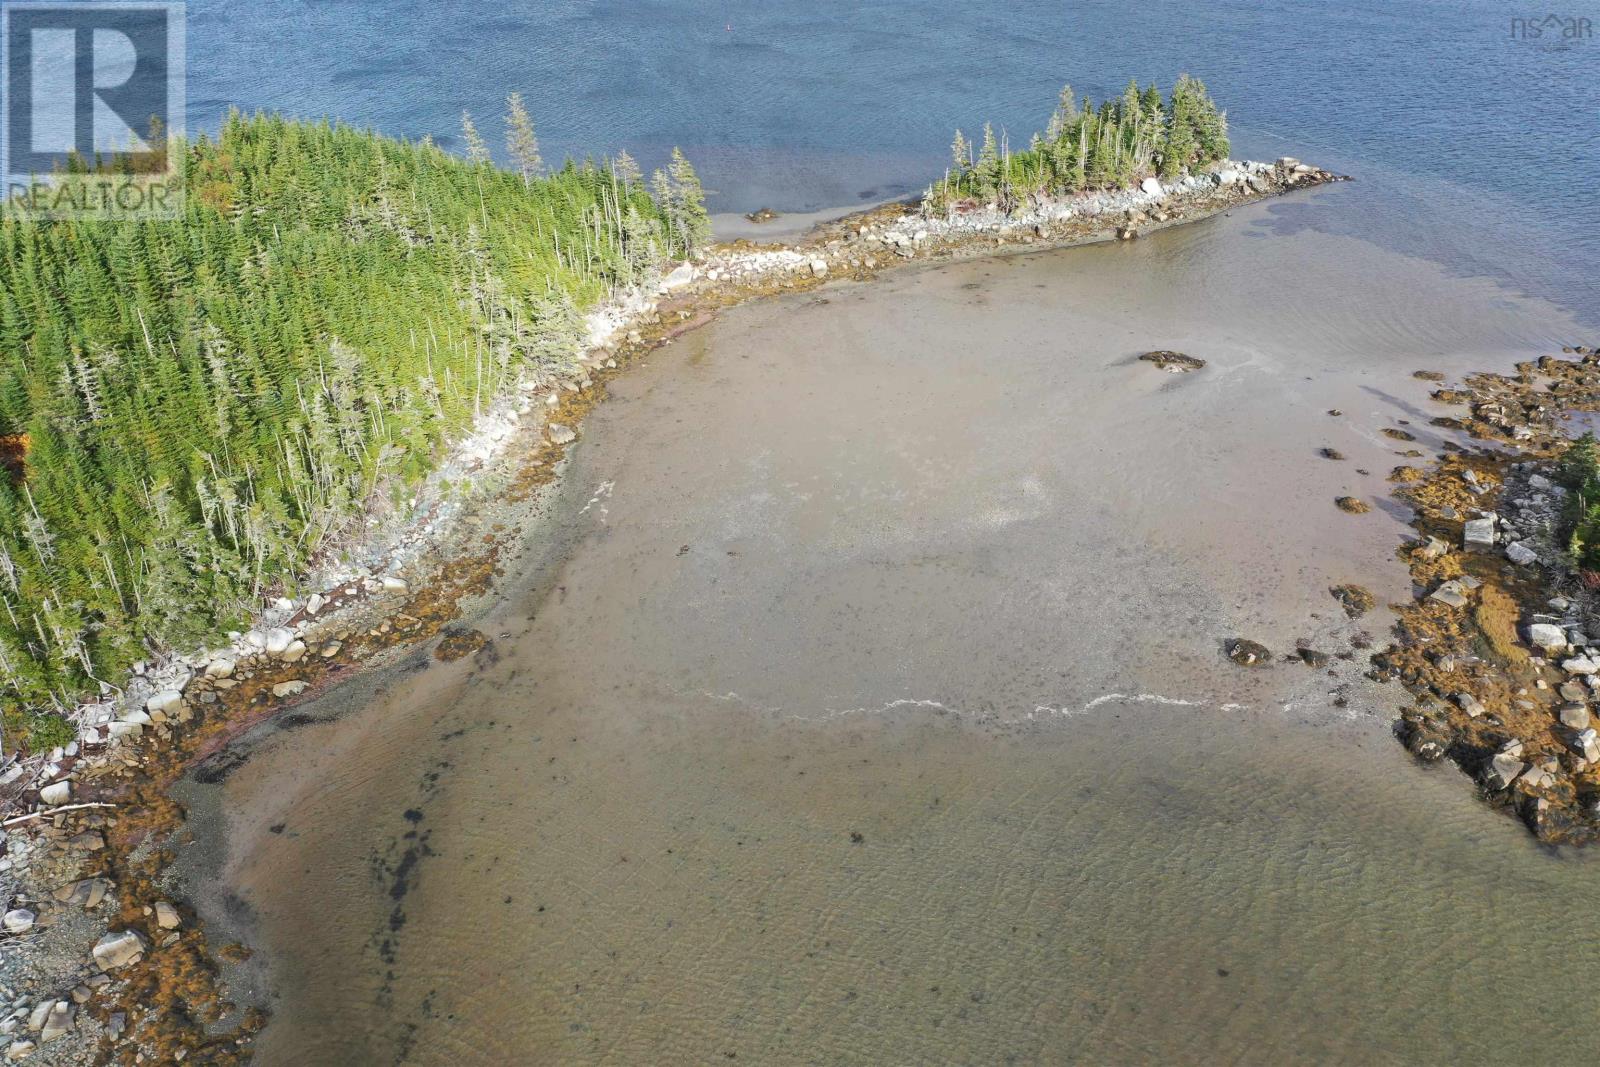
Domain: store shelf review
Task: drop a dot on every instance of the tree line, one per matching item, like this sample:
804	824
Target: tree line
1088	146
190	411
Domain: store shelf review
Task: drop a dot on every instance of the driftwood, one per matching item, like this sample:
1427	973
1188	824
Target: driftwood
14	820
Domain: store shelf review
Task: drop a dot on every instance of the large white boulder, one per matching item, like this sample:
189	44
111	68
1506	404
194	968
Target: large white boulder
1152	186
1547	636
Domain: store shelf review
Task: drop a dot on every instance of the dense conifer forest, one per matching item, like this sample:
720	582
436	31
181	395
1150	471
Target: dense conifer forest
189	410
1088	146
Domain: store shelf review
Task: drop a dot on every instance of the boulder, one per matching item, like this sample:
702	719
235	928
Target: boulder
681	275
1433	549
1575	716
278	639
1449	594
1504	769
1547	636
20	1049
1478	533
293	687
1521	554
391	584
1151	186
819	267
167	916
315	603
118	949
56	793
1586	743
58	1022
116	731
18	921
1469	704
294	653
1580	665
561	435
221	667
167	702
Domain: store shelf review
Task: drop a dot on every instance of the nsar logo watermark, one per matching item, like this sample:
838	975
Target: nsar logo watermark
93	95
1552	31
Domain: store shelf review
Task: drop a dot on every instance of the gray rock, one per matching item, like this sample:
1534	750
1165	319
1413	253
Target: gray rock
1449	594
293	687
1433	549
1575	716
56	793
20	1049
118	949
58	1022
221	667
18	921
1504	769
1151	186
1580	665
1469	704
1521	554
681	275
1587	744
819	267
1547	636
392	584
165	702
278	639
1478	533
561	435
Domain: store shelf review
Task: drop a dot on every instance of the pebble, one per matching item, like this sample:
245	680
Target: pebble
19	921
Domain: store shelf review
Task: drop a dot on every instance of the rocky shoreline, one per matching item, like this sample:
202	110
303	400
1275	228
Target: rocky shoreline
1495	649
100	963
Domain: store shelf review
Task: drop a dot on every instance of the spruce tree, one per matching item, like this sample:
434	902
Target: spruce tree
521	143
477	151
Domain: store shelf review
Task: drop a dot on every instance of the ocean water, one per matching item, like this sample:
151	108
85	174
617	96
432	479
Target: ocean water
1477	146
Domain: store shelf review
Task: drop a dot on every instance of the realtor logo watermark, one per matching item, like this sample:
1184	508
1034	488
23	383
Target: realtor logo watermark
1552	31
93	93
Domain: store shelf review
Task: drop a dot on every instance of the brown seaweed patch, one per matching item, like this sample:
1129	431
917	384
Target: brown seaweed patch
1355	600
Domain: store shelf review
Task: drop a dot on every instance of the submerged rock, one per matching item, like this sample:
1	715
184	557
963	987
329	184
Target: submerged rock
1247	653
1173	362
1355	600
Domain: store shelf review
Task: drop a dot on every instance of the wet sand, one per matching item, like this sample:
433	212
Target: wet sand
864	702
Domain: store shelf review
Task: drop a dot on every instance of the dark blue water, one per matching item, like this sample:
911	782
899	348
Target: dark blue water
1477	149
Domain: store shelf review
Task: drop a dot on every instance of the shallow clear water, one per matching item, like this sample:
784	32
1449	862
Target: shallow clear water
1476	149
935	563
